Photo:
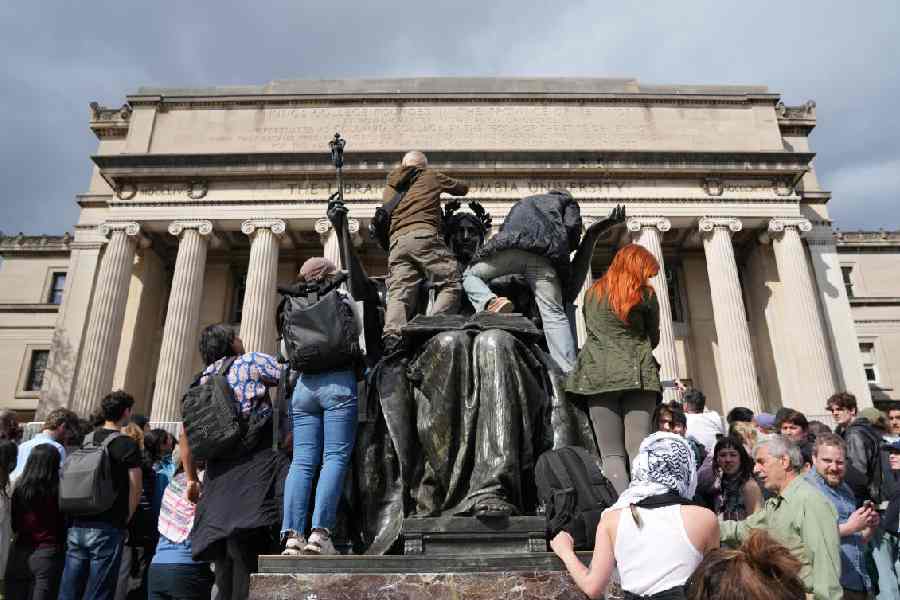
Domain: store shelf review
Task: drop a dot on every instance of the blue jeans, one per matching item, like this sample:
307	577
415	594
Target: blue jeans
92	563
324	413
886	553
544	282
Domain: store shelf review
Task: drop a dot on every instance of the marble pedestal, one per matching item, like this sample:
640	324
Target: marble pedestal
538	576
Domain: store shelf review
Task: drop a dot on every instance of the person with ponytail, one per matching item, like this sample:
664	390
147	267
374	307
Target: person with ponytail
653	535
616	375
760	569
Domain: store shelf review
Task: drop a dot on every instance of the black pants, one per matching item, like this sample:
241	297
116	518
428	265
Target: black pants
34	573
233	571
180	582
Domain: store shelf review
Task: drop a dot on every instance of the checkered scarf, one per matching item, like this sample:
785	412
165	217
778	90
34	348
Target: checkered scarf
664	464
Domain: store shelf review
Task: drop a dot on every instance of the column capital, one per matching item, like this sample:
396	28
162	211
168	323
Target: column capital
131	229
277	226
202	226
710	224
635	224
323	227
780	224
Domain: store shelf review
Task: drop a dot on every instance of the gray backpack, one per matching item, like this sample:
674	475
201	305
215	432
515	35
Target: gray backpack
87	486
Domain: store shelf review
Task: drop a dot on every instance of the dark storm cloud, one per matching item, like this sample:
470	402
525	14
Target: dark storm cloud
59	56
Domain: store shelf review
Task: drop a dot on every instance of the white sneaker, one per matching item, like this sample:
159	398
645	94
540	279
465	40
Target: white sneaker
320	544
293	546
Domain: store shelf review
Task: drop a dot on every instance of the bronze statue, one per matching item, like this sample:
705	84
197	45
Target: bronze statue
455	422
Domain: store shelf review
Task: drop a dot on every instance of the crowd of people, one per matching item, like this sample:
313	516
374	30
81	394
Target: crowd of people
749	506
793	508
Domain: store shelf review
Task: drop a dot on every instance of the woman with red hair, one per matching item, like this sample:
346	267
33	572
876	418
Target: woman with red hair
616	374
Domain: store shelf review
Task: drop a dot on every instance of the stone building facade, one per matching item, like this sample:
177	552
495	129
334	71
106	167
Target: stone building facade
870	266
201	200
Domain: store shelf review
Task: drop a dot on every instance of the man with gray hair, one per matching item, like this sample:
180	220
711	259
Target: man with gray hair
797	515
417	249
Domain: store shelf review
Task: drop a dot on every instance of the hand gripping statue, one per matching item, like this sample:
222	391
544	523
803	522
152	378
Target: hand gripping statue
454	425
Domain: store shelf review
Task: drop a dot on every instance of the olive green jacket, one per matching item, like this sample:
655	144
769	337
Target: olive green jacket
617	357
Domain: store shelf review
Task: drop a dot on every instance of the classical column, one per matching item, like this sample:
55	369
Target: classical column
648	231
737	376
258	312
182	319
812	360
331	246
104	328
580	325
836	306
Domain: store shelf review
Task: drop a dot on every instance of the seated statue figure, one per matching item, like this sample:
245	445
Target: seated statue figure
454	423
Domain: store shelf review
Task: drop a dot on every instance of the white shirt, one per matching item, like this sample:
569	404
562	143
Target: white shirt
704	427
25	449
656	557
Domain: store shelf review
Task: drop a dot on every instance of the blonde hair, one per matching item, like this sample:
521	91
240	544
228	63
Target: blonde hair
747	433
134	431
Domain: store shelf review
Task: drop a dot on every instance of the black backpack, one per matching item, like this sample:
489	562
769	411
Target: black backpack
320	332
210	416
574	493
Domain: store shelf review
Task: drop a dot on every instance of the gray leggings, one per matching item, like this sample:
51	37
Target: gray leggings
621	421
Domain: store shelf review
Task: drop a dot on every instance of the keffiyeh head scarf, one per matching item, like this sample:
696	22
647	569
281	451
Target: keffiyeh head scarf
664	464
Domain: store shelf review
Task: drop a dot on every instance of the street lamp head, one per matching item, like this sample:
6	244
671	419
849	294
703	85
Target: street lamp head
337	150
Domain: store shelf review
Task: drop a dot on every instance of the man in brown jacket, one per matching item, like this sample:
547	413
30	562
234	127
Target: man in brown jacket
417	249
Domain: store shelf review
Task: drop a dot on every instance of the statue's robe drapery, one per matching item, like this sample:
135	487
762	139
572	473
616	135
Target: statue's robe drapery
465	419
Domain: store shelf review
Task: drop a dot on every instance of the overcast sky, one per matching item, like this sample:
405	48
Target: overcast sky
59	56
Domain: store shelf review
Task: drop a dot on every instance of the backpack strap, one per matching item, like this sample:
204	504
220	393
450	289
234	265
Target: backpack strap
559	469
223	370
114	435
88	440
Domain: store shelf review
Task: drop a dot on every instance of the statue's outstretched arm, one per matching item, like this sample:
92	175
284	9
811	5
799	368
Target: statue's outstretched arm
581	264
361	287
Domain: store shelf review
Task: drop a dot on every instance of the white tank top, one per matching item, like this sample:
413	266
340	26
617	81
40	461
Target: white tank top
656	557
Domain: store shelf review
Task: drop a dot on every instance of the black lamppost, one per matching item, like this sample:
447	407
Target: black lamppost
337	157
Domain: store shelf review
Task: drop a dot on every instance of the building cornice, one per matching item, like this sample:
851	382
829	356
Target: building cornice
195	170
22	245
867	239
494	90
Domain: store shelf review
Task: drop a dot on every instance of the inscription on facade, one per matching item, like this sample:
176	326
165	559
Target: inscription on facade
403	126
372	190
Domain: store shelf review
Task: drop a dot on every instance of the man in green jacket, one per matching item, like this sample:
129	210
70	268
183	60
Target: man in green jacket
797	515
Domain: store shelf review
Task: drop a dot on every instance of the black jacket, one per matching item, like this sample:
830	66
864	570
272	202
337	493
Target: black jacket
890	491
863	460
547	224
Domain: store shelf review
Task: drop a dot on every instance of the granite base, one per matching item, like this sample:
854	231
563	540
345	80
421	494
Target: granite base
538	576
